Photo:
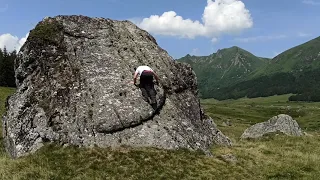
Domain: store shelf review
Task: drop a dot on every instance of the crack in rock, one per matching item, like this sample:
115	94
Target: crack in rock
134	123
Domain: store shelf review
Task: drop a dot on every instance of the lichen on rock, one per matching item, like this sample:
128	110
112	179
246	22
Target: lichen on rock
73	87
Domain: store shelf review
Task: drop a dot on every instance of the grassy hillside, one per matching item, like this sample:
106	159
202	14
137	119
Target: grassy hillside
235	73
276	157
224	68
304	57
245	112
296	70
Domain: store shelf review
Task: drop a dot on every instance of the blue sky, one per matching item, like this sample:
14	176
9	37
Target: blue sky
264	28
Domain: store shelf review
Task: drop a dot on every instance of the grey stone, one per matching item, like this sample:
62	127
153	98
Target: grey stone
226	123
282	123
73	88
230	158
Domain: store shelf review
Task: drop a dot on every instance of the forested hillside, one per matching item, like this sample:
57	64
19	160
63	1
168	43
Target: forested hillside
7	68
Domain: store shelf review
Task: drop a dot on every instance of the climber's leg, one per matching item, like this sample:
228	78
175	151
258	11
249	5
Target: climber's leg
153	95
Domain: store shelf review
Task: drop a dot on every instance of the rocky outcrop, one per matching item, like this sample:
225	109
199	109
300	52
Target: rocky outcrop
73	87
281	123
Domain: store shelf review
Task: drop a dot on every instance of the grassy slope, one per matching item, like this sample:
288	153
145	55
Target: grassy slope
301	57
4	93
246	112
277	157
293	71
226	67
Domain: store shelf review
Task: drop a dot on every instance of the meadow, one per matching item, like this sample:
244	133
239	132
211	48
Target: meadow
274	157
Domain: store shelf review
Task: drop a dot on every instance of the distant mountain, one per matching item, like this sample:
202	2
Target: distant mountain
304	57
223	69
235	73
296	70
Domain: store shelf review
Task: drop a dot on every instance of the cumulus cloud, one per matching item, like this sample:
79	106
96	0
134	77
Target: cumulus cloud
260	38
311	2
169	23
12	42
219	17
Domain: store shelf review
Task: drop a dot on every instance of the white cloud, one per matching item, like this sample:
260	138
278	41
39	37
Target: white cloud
311	2
260	38
12	42
214	40
169	23
301	34
4	9
219	17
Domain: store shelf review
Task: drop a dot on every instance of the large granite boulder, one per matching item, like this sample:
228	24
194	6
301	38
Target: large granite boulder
73	79
282	123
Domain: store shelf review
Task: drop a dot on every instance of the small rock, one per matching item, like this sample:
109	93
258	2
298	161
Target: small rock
226	123
230	158
281	123
307	134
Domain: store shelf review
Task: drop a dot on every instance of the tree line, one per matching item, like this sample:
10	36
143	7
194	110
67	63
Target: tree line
305	86
7	78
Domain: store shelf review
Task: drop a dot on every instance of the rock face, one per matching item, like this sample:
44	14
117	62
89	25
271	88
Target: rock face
73	87
281	123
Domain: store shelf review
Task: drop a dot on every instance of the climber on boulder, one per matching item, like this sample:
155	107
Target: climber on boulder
146	84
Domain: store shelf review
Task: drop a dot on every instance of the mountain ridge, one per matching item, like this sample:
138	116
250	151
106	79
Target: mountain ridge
222	68
295	70
295	59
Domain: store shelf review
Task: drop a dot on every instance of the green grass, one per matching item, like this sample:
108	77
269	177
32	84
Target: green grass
275	157
4	93
278	158
246	112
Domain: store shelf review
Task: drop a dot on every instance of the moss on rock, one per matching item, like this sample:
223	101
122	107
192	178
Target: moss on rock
47	32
